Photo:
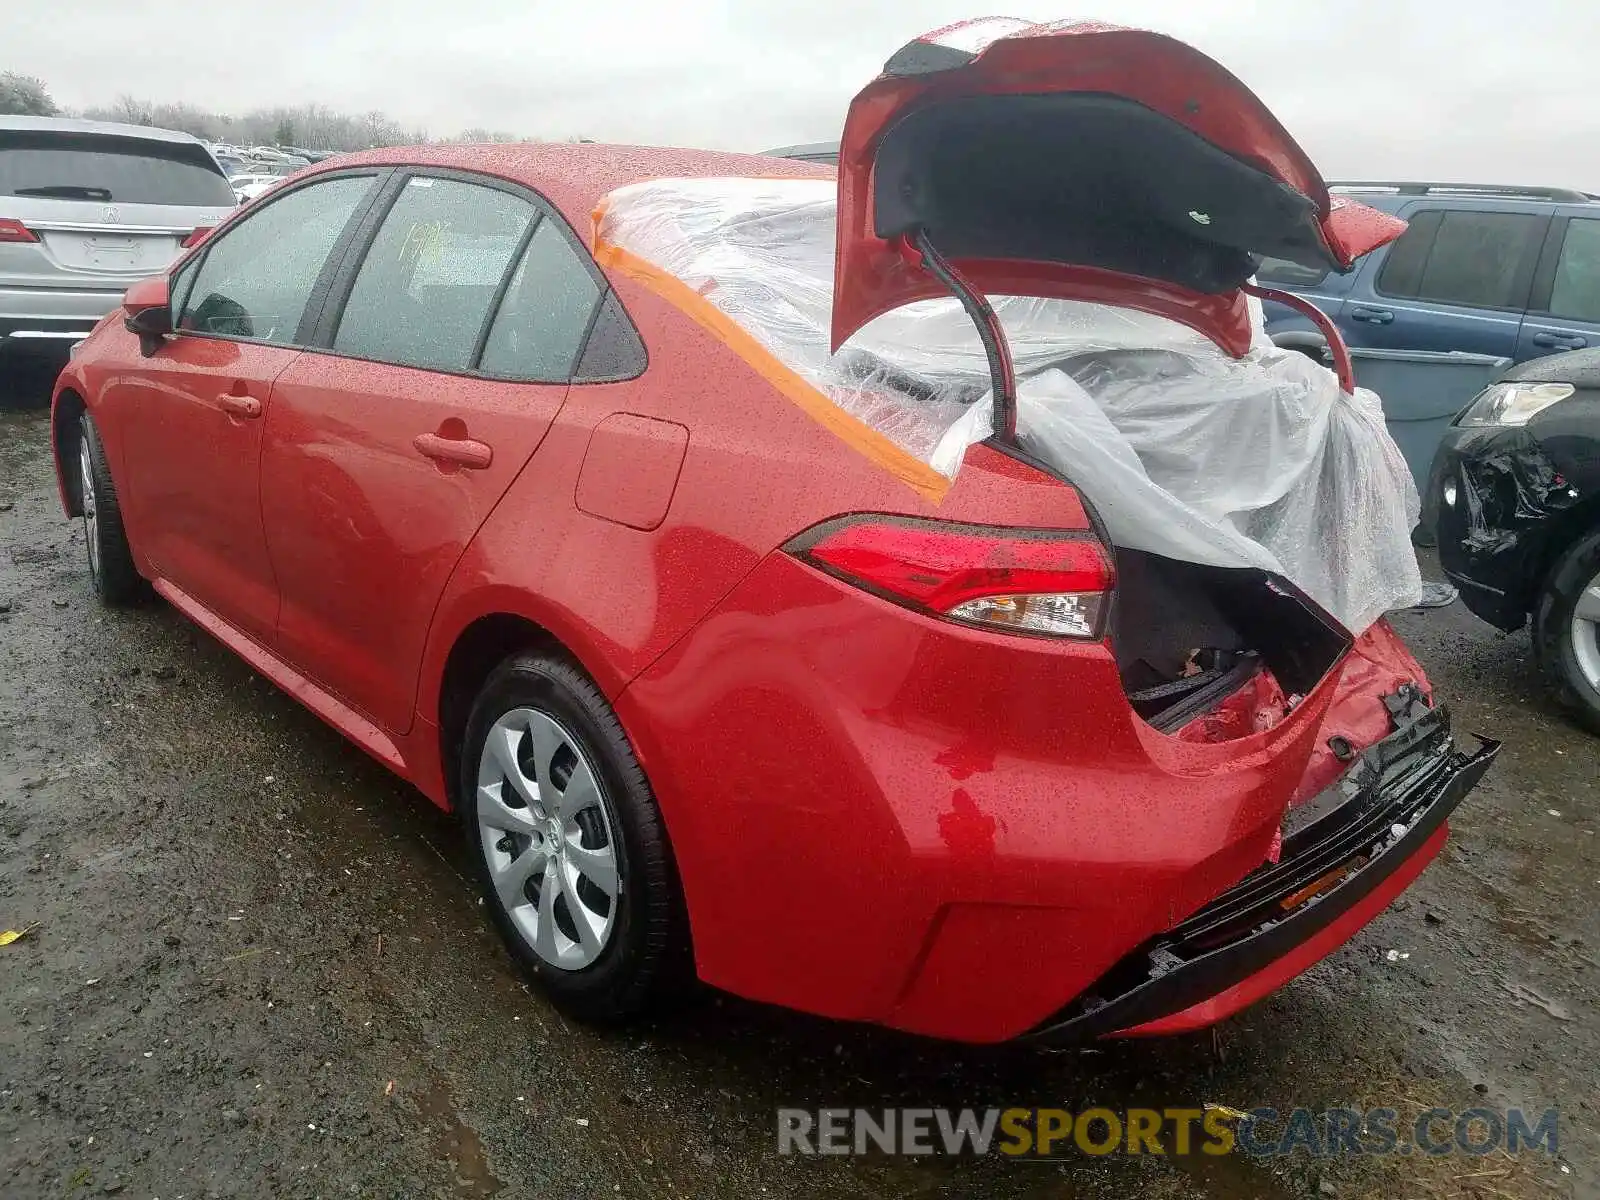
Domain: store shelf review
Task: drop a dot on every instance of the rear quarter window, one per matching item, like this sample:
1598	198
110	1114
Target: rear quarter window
1287	274
1575	291
74	166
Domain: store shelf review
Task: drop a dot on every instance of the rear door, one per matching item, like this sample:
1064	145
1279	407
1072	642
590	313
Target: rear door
104	211
1457	279
1565	311
193	446
450	347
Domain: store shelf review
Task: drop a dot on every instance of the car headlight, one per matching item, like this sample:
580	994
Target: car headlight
1514	403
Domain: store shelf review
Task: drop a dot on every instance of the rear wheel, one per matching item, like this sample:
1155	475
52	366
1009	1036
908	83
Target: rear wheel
1566	629
116	580
569	846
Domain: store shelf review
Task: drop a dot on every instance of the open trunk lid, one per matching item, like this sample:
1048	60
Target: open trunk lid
1082	161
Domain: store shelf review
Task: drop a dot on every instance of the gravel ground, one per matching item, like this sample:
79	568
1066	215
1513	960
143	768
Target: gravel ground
256	968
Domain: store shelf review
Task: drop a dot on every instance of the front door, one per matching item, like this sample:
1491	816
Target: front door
449	361
194	447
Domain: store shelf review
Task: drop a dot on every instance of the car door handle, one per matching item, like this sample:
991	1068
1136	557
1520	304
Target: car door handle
458	452
1371	316
239	406
1565	341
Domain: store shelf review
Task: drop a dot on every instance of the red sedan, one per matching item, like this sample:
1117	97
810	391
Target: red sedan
714	693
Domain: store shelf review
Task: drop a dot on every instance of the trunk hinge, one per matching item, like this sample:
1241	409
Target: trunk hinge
1340	353
1002	378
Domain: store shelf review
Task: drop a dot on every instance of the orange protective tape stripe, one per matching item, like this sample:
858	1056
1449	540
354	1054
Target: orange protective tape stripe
904	466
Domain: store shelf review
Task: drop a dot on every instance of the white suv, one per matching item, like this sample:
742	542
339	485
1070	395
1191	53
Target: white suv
86	210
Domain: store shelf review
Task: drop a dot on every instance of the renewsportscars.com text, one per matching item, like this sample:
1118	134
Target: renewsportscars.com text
1215	1130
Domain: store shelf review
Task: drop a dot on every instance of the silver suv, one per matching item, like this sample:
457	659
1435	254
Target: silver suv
86	209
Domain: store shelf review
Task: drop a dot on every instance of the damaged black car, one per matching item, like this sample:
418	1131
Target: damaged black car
1516	493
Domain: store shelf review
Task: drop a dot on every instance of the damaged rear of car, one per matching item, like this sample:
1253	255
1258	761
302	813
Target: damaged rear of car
1121	741
1516	486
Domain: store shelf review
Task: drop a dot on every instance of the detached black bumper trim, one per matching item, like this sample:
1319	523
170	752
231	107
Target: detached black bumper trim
1394	797
44	331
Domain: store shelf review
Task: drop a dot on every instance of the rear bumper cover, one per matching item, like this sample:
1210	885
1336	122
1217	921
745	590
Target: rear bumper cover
40	316
1361	834
32	335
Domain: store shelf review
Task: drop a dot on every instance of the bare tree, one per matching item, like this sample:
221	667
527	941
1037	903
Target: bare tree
188	117
479	134
312	126
133	111
380	130
25	95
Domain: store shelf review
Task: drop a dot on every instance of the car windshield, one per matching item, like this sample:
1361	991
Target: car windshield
75	166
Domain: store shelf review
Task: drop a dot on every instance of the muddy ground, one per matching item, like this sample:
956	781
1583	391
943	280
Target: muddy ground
256	969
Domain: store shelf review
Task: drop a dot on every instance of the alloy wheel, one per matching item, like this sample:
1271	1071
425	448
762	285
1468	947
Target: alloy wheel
548	838
1586	632
91	524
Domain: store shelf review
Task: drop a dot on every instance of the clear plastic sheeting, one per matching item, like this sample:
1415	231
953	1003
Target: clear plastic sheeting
1185	451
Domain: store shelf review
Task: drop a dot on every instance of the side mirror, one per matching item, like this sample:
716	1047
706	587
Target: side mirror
149	313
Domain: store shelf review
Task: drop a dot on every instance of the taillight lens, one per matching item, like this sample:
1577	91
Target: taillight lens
12	230
195	238
1052	583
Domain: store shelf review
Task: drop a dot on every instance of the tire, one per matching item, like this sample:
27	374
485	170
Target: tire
554	735
116	580
1566	629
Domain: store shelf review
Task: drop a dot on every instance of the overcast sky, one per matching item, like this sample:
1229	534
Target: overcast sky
1470	90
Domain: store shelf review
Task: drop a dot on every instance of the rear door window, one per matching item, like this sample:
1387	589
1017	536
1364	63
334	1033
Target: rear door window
1471	259
1575	291
257	276
41	164
425	289
547	310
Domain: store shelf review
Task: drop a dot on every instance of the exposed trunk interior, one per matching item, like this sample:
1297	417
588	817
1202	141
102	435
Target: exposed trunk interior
1187	636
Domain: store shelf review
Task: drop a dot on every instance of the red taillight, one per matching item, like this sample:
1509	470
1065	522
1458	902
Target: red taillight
195	238
13	230
1019	580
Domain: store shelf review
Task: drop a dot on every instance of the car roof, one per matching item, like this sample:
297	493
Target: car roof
807	150
1391	197
575	176
105	128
